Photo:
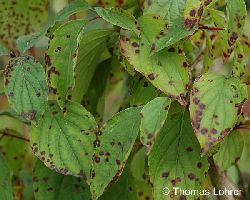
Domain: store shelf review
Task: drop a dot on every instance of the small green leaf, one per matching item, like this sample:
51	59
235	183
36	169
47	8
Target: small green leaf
91	47
54	186
61	58
154	114
230	150
118	17
167	70
70	9
26	87
27	41
174	160
115	144
64	140
215	103
6	190
208	54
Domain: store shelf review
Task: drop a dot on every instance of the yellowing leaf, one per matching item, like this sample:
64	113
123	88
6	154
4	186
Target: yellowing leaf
215	105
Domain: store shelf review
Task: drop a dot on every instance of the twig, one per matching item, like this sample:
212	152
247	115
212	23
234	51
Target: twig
6	132
210	28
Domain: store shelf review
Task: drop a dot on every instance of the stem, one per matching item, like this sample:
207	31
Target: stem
7	132
220	181
210	28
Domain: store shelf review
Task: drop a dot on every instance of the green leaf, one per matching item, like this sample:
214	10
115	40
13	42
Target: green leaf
91	47
118	17
122	189
230	150
27	41
154	114
64	140
73	7
26	87
6	190
173	12
115	144
167	70
208	54
3	50
54	186
142	92
174	160
215	104
13	151
237	12
21	18
61	58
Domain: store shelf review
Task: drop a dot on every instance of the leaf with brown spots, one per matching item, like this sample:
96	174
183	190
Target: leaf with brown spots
239	60
26	87
6	190
61	58
175	160
64	140
215	104
153	114
166	70
172	11
114	146
21	17
54	186
230	150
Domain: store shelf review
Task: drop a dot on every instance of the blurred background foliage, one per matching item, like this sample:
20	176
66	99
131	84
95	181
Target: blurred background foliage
15	149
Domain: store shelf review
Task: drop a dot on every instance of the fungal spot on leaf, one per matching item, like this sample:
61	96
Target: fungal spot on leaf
191	176
165	174
189	149
151	76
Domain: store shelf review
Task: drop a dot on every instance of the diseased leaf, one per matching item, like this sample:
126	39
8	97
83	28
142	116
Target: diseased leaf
192	13
118	17
61	58
113	148
64	140
215	104
54	186
174	160
208	54
6	190
236	11
177	28
239	60
167	70
230	150
21	17
91	47
26	87
154	114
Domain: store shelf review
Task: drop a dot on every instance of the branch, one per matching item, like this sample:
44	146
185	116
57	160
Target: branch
11	133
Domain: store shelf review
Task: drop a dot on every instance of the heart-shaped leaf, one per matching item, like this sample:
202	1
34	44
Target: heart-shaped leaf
26	87
215	104
64	140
